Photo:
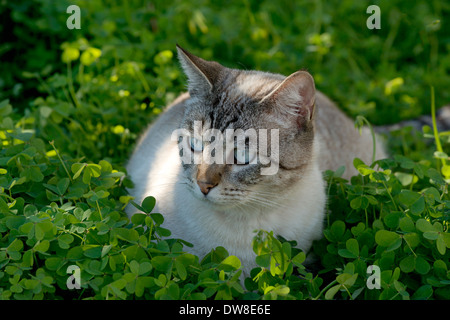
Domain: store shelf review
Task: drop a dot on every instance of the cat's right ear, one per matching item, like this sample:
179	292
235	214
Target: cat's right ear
295	96
202	75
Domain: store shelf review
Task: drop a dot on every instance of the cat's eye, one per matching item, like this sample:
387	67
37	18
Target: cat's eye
196	144
244	155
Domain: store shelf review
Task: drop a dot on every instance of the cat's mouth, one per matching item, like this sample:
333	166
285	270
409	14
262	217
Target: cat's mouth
217	197
231	198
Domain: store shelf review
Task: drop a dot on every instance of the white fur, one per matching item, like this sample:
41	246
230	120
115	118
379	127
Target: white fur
155	168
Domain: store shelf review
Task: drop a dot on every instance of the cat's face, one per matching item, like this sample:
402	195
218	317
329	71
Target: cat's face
248	135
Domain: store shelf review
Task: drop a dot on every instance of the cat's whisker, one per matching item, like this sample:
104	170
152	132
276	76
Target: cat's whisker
267	195
259	200
169	184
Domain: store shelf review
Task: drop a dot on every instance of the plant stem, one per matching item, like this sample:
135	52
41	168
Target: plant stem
72	233
71	89
435	130
52	143
390	196
325	289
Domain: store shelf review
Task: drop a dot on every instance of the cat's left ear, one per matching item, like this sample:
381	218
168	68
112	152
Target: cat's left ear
202	75
296	95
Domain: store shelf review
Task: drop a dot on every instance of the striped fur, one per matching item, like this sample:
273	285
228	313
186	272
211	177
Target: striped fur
313	136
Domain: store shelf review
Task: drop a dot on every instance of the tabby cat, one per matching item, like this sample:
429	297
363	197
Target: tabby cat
222	204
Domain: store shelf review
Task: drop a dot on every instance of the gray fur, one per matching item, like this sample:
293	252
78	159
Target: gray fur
314	135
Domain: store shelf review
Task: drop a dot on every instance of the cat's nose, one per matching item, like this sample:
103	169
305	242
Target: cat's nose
205	186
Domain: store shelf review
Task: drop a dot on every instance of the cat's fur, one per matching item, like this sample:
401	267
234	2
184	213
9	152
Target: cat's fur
314	136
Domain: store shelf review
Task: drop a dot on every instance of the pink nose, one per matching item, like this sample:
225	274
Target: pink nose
205	187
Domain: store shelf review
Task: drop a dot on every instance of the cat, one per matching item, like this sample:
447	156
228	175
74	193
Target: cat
213	204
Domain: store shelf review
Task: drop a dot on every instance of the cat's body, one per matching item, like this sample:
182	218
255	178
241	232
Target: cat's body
222	205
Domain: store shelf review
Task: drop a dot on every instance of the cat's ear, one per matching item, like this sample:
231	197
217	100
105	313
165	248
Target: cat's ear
295	96
202	75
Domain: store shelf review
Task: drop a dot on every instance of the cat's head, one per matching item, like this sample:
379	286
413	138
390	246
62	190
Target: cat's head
264	106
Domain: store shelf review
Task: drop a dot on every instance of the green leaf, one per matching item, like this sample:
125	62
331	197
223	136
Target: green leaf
431	235
406	178
94	169
345	253
445	171
358	229
404	162
65	240
392	219
106	166
347	279
77	168
440	244
145	267
42	246
162	263
148	204
435	176
163	246
422	266
423	293
356	203
418	206
30	210
141	284
406	224
87	174
408	197
138	218
16	246
431	195
90	55
440	155
75	253
412	239
163	57
157	217
358	162
230	263
105	250
53	263
69	54
329	295
299	259
263	260
386	238
365	170
33	173
62	185
51	196
353	246
5	108
134	267
181	269
408	264
92	251
4	208
337	229
129	235
424	225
